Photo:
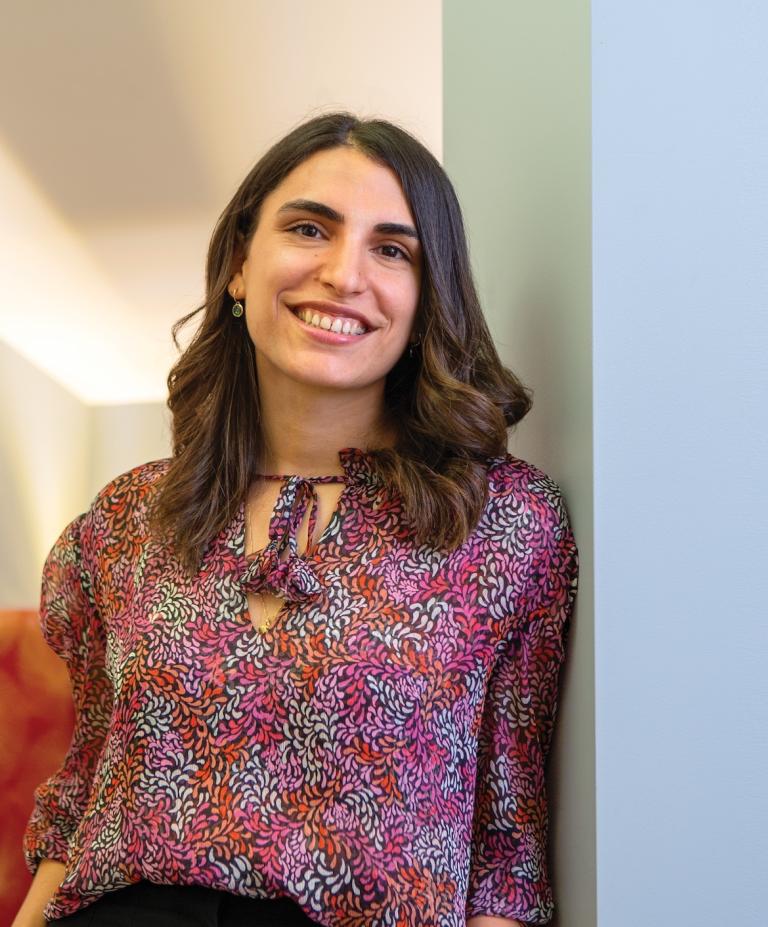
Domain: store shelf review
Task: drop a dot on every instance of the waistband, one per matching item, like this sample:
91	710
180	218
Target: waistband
152	905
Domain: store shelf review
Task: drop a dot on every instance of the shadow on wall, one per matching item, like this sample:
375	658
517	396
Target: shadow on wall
18	539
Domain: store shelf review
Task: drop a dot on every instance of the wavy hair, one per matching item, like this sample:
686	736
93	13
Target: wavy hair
453	401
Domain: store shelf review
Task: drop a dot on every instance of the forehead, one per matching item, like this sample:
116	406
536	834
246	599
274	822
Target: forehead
348	180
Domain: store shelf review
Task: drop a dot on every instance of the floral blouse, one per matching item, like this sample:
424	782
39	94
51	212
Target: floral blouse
377	755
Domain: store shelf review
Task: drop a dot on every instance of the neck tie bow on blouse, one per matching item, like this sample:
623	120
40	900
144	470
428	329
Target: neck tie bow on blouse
279	568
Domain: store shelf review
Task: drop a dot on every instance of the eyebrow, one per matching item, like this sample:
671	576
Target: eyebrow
320	209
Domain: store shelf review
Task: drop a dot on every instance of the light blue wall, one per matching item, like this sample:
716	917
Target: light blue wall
680	180
676	352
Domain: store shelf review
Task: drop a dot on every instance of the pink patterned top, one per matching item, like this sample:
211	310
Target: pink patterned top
378	755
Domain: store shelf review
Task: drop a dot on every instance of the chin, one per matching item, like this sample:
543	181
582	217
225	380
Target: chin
341	380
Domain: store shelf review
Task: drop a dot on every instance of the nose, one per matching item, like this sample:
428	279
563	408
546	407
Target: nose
343	267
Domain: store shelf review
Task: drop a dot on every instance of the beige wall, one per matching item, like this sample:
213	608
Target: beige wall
517	146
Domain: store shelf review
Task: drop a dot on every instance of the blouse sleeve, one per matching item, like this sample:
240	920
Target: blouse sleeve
508	869
71	627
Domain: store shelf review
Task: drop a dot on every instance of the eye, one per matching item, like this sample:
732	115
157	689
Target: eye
398	254
305	229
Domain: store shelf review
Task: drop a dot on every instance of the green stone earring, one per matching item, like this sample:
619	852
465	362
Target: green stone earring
237	308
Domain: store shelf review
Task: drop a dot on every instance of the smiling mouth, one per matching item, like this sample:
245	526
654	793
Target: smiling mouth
338	325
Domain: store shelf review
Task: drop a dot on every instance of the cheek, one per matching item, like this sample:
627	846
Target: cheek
403	298
293	265
398	285
279	269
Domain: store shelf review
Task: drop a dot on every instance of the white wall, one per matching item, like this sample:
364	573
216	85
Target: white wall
517	147
680	173
55	454
125	436
44	471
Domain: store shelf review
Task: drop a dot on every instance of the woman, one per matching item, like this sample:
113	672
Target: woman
315	654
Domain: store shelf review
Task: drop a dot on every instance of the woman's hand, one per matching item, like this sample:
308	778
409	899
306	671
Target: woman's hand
47	879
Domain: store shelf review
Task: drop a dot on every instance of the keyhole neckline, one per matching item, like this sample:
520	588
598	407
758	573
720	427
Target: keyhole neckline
331	478
279	568
356	464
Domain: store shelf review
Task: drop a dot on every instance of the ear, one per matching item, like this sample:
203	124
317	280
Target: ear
237	278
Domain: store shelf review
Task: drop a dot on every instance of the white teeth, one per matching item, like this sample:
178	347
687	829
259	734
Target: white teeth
334	324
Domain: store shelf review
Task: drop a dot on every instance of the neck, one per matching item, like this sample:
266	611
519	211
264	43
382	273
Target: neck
304	427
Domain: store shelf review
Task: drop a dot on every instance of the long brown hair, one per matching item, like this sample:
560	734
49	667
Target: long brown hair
453	400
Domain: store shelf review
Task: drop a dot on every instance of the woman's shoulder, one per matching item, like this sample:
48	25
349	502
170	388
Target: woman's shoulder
137	480
123	499
517	485
107	528
508	474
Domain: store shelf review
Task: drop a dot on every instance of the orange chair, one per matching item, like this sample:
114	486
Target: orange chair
36	723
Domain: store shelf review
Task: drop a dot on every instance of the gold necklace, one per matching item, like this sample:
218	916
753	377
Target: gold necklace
266	622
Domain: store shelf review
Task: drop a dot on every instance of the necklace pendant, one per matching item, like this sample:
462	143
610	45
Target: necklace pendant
264	626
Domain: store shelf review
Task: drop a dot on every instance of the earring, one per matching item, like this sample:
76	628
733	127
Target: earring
412	345
237	308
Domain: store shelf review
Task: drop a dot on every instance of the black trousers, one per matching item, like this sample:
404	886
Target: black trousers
148	905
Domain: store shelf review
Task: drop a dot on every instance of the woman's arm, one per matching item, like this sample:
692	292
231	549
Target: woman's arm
72	627
47	879
508	863
483	920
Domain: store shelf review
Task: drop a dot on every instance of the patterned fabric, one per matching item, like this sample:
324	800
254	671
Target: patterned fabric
292	576
378	755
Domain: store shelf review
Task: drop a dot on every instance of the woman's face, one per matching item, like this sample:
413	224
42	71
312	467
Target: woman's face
335	247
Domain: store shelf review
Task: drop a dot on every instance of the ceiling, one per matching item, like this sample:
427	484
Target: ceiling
124	130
